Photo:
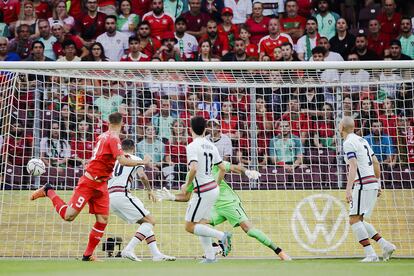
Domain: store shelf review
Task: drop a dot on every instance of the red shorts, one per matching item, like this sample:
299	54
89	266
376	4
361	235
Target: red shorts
94	193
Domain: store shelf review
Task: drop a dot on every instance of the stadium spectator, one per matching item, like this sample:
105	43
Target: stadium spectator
190	109
126	22
326	19
206	52
37	52
134	51
97	53
299	123
187	44
324	134
168	51
381	145
91	24
286	149
47	38
4	28
149	45
175	7
152	146
369	11
141	7
241	10
107	7
405	142
196	19
407	37
209	101
329	55
159	21
390	21
361	48
258	24
390	83
28	17
376	39
395	51
347	108
222	141
305	7
109	100
405	100
227	27
288	53
343	42
11	10
5	54
275	39
356	77
292	23
219	42
55	149
367	114
175	153
272	8
388	118
22	43
82	144
229	121
114	42
238	53
58	33
77	98
213	8
308	41
163	120
69	51
18	145
252	50
60	14
311	101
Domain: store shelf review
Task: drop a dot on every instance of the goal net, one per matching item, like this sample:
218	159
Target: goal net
278	118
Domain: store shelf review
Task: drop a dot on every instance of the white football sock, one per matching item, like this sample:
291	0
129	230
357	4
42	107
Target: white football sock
207	246
372	232
361	234
204	230
154	249
143	231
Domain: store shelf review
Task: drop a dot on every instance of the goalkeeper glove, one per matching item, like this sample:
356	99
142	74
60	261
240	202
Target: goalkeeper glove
164	194
252	174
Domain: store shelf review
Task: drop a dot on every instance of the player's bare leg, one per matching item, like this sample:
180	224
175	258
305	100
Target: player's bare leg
253	232
205	234
144	231
361	233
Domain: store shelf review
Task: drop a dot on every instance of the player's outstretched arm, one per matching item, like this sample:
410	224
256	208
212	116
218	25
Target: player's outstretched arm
164	194
251	174
144	179
125	161
353	166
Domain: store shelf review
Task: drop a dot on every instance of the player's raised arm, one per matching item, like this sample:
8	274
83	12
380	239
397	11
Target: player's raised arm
251	174
125	161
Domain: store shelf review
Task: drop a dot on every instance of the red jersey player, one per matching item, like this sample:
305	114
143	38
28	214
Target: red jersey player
92	186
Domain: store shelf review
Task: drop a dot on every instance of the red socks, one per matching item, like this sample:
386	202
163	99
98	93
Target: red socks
58	203
94	237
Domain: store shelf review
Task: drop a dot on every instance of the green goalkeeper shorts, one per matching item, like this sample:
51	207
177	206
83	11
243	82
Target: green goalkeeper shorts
233	213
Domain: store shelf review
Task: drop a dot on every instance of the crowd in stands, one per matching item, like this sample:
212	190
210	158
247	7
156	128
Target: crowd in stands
205	30
295	128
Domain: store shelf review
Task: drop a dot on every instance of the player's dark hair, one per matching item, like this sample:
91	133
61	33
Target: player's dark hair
128	145
115	118
198	125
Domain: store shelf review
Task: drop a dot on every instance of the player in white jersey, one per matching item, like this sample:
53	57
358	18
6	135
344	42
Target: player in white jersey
364	175
130	208
201	156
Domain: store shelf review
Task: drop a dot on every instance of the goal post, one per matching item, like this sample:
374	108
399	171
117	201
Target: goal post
278	118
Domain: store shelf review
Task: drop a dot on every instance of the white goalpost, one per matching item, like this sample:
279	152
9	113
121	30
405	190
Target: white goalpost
278	118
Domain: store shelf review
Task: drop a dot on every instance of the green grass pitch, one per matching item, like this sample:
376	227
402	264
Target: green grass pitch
317	267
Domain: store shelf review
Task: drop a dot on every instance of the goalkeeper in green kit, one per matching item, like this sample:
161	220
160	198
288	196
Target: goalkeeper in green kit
228	206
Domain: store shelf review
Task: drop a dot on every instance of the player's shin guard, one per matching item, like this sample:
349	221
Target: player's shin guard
58	203
94	238
263	239
362	236
205	231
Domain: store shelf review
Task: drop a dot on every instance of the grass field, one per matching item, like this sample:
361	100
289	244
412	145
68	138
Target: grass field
319	267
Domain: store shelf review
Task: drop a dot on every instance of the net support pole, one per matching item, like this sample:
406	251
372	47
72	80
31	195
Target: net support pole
338	141
253	136
36	125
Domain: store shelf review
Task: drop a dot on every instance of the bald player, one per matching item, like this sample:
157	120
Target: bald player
363	177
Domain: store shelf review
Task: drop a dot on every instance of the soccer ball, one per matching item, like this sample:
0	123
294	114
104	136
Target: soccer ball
35	167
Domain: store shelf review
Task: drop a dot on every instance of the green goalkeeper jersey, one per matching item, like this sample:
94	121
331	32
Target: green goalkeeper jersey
227	196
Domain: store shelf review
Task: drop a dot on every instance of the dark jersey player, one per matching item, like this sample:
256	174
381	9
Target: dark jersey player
92	186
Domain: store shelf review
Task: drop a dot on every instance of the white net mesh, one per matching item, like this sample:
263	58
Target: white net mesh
281	122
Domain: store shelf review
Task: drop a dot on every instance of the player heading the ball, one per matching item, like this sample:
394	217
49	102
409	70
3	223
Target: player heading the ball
364	175
92	186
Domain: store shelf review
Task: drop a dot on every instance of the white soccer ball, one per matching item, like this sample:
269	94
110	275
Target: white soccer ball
35	167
